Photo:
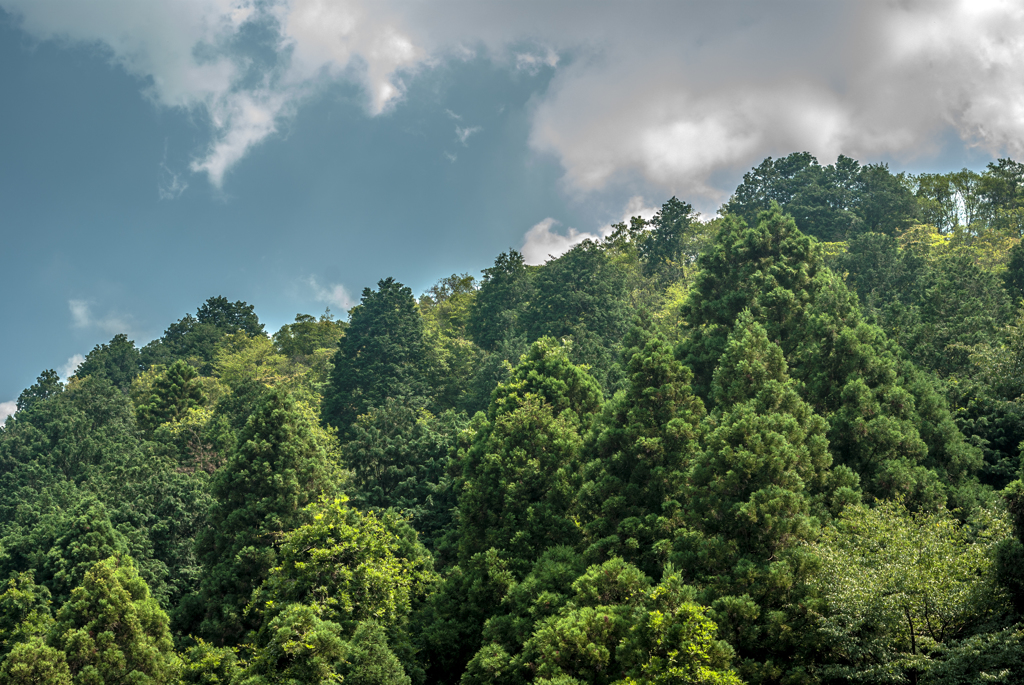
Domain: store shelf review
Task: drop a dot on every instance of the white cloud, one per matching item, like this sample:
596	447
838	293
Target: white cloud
540	242
83	317
532	62
335	295
171	185
450	156
463	134
681	95
71	366
7	409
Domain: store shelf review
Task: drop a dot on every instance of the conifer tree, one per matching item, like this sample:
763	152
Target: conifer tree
751	499
646	438
498	307
382	355
175	391
767	452
885	422
34	662
112	631
520	476
279	467
401	456
370	661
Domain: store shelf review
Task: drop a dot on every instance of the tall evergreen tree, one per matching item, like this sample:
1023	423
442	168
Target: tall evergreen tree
767	452
497	309
382	355
279	467
645	441
887	422
111	631
520	474
582	295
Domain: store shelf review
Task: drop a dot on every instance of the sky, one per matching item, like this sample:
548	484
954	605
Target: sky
290	153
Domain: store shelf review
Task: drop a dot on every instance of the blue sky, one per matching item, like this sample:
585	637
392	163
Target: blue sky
291	152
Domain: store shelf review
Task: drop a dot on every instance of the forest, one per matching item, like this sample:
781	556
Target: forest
782	445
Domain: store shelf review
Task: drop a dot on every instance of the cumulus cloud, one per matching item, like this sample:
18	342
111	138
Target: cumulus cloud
188	56
83	317
7	409
676	94
334	295
542	243
70	366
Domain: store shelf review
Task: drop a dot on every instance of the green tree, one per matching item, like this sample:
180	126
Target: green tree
382	355
300	647
952	200
620	629
35	663
281	465
646	439
204	664
671	244
831	203
112	631
519	477
767	453
24	612
195	338
1009	556
230	317
898	587
582	295
887	421
46	386
174	393
370	661
119	362
401	457
498	307
352	565
308	334
339	570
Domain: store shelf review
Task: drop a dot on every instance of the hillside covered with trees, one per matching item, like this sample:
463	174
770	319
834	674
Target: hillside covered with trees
779	446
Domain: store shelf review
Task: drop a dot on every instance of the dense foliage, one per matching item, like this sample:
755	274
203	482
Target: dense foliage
779	446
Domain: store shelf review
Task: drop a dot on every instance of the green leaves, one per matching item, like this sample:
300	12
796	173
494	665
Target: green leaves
280	466
175	391
898	587
111	630
382	355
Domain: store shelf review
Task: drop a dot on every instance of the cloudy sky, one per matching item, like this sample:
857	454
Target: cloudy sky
292	152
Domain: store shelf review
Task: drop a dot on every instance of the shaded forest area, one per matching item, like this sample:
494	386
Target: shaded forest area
780	446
